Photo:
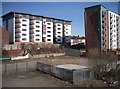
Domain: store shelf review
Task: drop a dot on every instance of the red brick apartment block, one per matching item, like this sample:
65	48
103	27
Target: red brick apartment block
4	38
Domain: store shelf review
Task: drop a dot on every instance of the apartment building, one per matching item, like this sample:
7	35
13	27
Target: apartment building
24	27
102	29
114	30
94	27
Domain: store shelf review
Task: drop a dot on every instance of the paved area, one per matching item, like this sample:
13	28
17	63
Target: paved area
71	66
33	79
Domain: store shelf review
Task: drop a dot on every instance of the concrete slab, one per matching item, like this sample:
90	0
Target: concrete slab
71	66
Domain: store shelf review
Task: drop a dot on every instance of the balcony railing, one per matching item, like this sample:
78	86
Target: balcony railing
32	31
17	26
18	31
32	23
18	16
17	21
31	27
17	40
18	35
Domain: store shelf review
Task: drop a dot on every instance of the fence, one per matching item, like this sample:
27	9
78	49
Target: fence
18	67
72	52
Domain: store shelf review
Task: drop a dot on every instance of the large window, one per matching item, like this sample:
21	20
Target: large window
37	26
48	31
48	27
48	23
23	34
37	35
37	22
37	39
23	29
48	39
24	25
24	20
48	35
24	39
37	30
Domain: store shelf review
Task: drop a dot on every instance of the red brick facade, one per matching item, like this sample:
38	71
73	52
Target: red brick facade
92	34
5	36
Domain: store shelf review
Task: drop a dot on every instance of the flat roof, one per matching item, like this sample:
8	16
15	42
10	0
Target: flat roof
35	15
72	66
95	6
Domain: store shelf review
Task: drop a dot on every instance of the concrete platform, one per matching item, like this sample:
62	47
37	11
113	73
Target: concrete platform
69	72
71	66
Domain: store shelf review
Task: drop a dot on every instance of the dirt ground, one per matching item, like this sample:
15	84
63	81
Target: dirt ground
38	79
33	79
61	60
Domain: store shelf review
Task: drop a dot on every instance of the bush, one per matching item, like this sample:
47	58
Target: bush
4	53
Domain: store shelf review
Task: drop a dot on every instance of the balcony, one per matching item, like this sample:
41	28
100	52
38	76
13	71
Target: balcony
18	16
17	40
32	23
32	32
32	18
18	31
17	21
32	36
31	27
17	35
111	26
32	40
17	26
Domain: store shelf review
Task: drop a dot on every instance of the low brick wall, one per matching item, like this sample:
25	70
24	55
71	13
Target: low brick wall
48	55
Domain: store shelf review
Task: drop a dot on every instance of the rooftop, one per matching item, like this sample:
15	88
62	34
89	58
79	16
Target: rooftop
35	15
71	66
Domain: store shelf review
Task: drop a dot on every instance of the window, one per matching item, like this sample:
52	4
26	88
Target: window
37	39
48	27
58	28
58	24
59	32
48	39
24	39
37	35
23	29
48	35
37	26
23	34
24	20
58	40
48	23
48	31
37	22
24	25
59	36
37	30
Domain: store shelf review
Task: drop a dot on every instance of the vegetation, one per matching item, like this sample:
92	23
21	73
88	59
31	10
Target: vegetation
4	53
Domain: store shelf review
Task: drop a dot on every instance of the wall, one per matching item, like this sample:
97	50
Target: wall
18	67
5	36
72	52
48	55
10	29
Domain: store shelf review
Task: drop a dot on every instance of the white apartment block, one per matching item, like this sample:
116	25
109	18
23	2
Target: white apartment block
25	27
114	30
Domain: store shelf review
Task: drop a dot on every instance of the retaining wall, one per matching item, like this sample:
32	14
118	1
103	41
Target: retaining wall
18	67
